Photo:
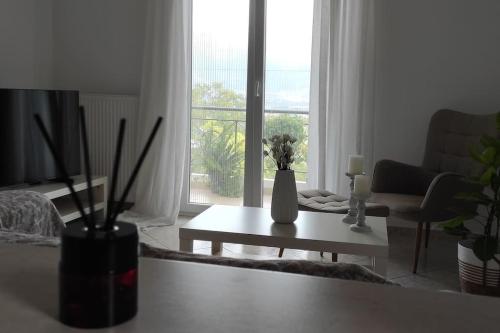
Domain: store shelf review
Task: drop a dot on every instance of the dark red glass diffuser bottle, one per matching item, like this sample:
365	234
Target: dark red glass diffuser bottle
98	272
98	275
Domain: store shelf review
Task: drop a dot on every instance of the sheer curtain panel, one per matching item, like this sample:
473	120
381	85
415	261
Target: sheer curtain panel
165	92
342	83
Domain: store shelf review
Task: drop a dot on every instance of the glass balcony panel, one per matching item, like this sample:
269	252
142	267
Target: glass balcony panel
219	75
287	73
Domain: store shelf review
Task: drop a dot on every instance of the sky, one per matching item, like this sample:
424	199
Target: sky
220	38
288	27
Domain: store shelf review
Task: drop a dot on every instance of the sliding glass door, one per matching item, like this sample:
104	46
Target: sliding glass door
287	73
218	111
243	89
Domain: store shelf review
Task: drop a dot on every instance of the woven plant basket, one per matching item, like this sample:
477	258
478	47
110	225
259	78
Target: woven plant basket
471	272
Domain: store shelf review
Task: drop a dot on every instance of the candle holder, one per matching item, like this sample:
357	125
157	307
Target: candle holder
352	213
361	225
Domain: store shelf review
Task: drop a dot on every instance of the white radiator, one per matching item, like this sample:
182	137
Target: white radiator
103	114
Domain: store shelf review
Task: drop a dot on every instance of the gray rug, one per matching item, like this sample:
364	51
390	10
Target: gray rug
143	222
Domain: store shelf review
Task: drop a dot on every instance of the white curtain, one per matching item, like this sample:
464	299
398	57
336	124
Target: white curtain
164	92
342	83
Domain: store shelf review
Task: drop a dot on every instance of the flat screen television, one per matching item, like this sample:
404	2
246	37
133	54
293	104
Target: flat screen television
24	155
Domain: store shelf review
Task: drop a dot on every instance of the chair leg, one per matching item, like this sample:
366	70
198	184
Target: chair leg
418	240
281	252
335	257
427	233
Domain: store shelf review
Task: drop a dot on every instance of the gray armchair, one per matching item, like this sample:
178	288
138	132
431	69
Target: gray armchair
426	194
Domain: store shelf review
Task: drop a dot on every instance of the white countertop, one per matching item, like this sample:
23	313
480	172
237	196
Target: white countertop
191	297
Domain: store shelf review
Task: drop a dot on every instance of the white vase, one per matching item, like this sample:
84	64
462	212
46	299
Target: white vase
284	204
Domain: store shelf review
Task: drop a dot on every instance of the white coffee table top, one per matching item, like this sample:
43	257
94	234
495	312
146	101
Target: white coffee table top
320	230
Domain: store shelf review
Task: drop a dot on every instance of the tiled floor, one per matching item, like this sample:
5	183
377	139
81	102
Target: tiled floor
437	269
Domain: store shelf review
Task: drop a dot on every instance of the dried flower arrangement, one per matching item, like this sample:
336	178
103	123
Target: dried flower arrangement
280	149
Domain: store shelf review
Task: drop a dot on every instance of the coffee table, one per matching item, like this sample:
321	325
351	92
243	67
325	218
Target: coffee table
311	231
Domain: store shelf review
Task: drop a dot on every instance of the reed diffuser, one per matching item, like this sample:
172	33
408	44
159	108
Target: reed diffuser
98	268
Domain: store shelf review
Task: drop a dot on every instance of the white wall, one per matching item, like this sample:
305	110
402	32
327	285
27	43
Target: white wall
432	54
88	45
98	45
26	43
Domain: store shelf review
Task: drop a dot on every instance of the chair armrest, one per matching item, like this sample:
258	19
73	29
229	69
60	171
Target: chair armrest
440	202
396	177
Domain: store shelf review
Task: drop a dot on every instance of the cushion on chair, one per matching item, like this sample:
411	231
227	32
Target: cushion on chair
403	205
328	202
396	177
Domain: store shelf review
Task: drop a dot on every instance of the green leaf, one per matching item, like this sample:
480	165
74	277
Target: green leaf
496	164
489	141
475	155
485	248
485	178
488	155
453	223
476	197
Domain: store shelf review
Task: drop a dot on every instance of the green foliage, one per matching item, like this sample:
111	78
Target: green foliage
487	176
217	139
214	94
455	222
488	155
285	123
475	197
222	156
296	126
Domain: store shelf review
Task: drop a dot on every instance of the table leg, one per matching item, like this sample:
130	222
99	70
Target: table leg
380	265
185	245
216	247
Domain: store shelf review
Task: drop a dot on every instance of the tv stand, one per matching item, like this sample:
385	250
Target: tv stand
59	194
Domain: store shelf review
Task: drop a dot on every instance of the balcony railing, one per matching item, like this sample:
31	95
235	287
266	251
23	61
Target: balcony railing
217	148
227	109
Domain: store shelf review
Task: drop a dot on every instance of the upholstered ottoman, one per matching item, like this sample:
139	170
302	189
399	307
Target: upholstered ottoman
328	202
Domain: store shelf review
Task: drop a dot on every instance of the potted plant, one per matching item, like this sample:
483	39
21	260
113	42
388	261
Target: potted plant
284	204
478	256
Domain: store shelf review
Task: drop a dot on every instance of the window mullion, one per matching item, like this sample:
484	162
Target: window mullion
255	104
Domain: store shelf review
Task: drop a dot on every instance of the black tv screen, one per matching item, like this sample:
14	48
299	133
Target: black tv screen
24	155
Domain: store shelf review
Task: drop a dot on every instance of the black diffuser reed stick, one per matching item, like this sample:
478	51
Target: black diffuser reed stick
98	268
61	167
116	166
88	171
110	222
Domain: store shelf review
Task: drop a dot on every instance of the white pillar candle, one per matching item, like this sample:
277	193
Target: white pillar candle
362	185
355	166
